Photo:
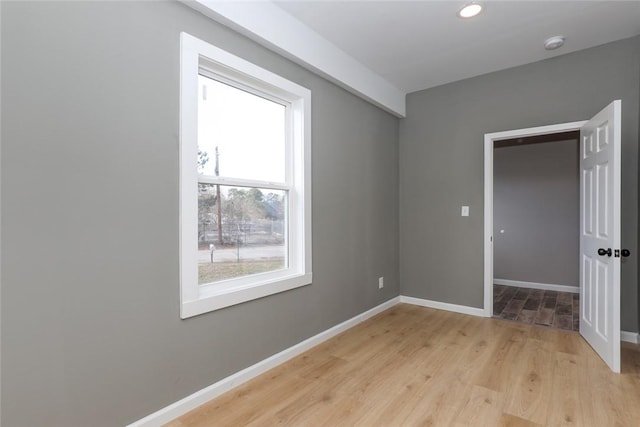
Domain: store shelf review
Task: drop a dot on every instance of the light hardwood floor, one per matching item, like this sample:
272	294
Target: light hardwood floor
417	366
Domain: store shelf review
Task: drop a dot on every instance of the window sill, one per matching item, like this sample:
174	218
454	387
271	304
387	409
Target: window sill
211	299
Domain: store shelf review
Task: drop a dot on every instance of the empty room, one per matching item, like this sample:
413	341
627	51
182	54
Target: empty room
319	213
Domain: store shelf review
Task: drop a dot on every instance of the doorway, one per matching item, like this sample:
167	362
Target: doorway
600	252
536	230
490	141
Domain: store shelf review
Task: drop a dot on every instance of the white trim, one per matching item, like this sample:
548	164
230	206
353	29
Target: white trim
534	285
238	182
632	337
181	407
195	56
488	226
275	29
212	299
463	309
200	397
535	131
489	139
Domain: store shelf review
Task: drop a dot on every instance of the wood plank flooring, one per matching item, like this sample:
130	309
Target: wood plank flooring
411	366
536	306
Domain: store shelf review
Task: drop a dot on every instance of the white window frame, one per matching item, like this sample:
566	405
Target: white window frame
196	57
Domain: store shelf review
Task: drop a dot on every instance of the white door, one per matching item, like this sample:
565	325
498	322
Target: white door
600	233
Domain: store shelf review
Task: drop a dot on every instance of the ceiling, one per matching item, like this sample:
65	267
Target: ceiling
416	45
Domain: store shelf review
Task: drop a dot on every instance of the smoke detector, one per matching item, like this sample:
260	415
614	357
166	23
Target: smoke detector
554	42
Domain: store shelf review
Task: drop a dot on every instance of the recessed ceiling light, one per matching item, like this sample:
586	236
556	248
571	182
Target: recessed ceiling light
470	10
554	42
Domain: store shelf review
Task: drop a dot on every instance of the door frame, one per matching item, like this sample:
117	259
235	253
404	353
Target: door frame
489	139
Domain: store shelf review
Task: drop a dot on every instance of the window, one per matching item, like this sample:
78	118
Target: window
245	200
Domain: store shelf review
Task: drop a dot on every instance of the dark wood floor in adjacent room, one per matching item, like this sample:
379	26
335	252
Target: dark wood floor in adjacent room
412	365
536	306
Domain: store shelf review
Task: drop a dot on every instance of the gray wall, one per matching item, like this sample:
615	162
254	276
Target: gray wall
91	334
90	328
441	162
536	212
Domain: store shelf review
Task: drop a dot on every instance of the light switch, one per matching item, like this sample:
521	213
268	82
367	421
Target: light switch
465	211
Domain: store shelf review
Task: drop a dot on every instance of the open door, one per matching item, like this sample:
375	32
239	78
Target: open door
600	233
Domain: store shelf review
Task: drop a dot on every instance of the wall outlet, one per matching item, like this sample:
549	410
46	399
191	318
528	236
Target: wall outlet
380	282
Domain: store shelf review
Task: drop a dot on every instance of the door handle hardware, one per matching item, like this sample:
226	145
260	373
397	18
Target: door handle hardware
625	253
616	253
603	252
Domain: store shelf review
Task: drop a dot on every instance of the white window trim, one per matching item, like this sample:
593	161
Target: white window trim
195	299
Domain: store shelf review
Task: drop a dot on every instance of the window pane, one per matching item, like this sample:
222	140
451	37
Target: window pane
247	130
244	234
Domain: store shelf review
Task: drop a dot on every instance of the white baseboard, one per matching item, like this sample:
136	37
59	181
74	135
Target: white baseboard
632	337
443	306
534	285
201	397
